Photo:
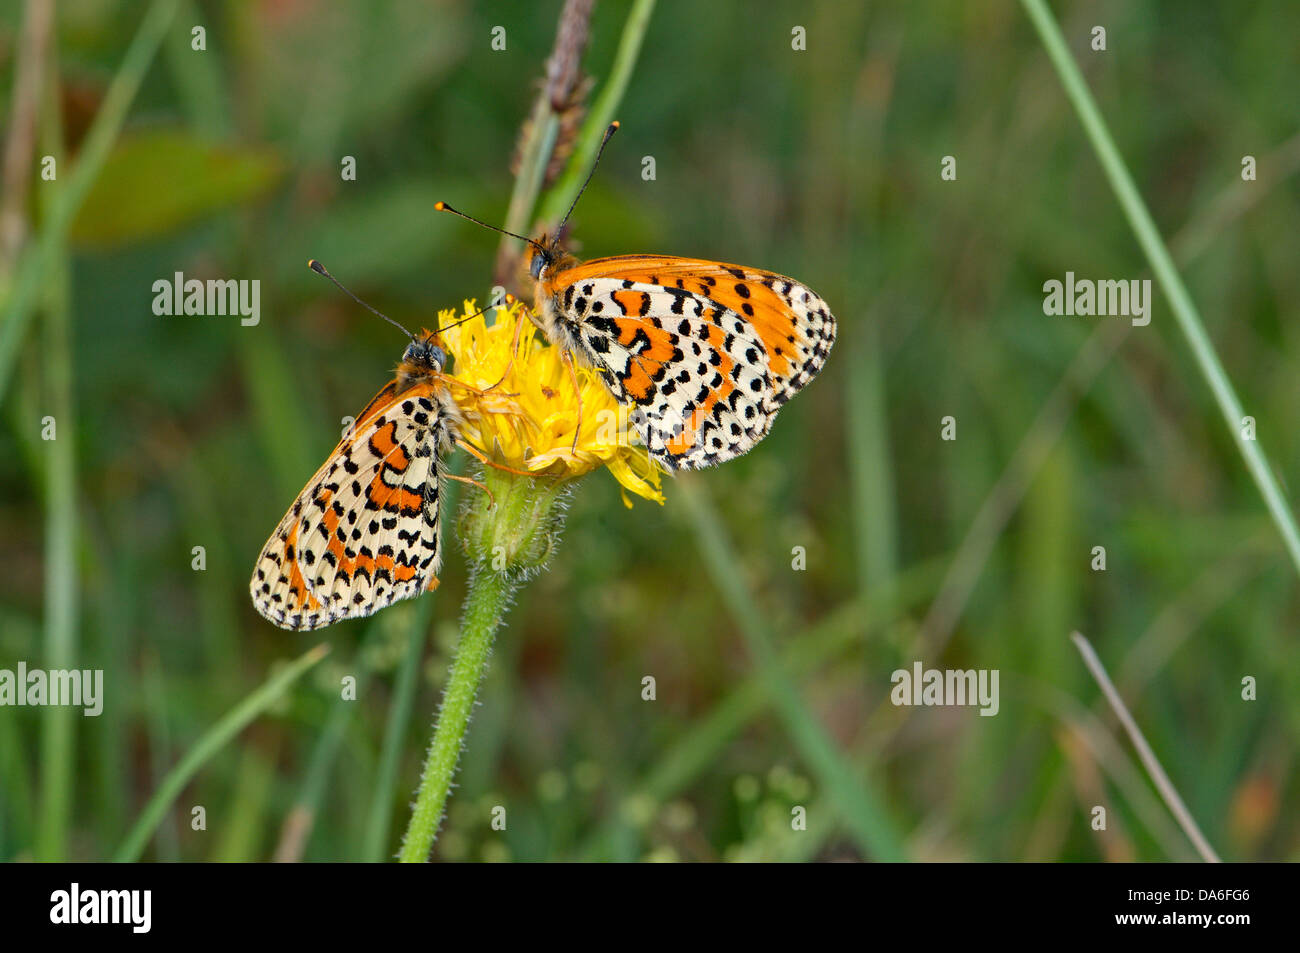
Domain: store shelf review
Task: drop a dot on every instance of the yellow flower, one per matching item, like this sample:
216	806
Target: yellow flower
527	421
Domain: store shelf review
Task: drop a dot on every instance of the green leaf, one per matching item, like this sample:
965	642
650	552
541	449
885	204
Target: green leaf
157	181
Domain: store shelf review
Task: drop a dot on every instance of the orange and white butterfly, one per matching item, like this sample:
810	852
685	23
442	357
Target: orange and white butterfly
364	532
703	353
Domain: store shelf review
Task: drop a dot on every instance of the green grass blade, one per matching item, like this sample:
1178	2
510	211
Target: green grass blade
300	821
199	82
863	808
62	591
230	725
38	260
380	818
603	110
167	843
1155	770
296	831
246	807
875	520
17	798
1162	266
835	634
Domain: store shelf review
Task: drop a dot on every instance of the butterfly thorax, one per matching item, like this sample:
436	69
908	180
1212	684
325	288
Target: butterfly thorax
548	295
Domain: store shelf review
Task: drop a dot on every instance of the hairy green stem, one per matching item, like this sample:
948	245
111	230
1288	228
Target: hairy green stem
508	534
485	605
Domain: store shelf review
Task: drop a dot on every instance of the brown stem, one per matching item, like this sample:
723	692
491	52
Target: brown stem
20	144
543	137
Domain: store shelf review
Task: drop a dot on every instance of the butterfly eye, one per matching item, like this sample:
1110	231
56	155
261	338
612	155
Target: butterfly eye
437	356
539	260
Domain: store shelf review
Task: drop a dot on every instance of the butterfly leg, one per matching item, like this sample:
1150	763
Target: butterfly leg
433	584
577	390
483	458
461	479
456	381
514	352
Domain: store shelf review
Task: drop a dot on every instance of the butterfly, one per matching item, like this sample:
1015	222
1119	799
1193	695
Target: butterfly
703	353
364	532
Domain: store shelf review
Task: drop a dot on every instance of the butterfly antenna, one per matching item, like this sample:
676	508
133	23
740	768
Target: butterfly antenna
609	134
444	207
471	317
320	269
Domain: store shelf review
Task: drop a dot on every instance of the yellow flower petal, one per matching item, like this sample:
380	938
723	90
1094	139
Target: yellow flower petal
527	420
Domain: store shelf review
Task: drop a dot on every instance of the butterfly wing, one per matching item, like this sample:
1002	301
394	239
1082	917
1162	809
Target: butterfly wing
364	532
793	323
695	372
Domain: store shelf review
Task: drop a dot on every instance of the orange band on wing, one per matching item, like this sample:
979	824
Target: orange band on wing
686	440
747	291
395	458
349	566
656	350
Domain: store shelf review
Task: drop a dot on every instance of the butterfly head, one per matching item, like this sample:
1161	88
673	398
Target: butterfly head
424	355
549	259
540	264
546	253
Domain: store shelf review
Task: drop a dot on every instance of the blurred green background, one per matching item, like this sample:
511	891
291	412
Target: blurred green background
824	164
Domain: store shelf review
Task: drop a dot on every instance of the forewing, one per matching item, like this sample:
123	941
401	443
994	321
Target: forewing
694	372
364	532
793	323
